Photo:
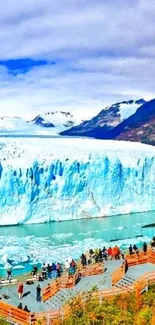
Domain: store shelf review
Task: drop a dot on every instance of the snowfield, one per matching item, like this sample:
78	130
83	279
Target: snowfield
16	125
22	152
127	110
59	121
58	179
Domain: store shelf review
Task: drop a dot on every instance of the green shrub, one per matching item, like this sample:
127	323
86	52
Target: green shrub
118	310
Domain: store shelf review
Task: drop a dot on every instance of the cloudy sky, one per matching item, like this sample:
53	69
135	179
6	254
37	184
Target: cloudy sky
76	55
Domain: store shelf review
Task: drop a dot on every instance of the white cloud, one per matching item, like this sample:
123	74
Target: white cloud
104	52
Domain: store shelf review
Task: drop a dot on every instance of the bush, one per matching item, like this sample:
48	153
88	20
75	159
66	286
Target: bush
118	310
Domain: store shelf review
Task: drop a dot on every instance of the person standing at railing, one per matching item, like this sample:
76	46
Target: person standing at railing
44	274
54	270
153	242
135	248
88	258
110	252
49	270
38	293
35	270
9	275
130	250
83	260
115	252
59	269
26	309
67	266
104	253
20	306
20	290
72	267
100	255
145	248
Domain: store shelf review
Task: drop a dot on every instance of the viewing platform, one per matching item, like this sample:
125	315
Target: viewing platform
104	279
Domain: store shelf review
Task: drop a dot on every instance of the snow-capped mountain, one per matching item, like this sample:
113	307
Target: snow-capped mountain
51	123
106	120
18	126
118	122
61	120
139	127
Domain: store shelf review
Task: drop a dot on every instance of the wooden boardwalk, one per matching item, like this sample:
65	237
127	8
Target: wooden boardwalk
101	280
56	295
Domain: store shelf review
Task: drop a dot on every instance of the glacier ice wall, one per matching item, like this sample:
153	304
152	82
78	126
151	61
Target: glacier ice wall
42	182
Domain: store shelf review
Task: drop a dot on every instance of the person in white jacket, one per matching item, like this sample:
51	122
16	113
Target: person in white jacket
67	266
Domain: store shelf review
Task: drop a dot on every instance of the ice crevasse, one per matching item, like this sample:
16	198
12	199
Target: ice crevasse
43	180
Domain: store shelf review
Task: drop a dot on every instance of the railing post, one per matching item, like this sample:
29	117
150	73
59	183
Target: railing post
147	287
9	315
62	315
30	319
48	319
100	298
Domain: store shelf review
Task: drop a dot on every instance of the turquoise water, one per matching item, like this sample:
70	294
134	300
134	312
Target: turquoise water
28	244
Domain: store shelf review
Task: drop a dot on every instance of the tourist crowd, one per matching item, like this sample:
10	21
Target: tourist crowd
55	270
98	255
48	271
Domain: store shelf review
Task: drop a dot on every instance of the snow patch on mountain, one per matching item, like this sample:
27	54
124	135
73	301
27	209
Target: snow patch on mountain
61	120
127	108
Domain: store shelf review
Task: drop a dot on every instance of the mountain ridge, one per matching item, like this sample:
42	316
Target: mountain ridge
106	120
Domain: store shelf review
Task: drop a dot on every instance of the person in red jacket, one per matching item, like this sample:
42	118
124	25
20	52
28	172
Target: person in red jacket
110	252
20	290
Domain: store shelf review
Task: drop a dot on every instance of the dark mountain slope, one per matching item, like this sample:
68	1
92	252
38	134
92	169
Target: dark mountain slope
106	120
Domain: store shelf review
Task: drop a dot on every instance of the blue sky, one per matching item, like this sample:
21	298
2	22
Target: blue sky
75	55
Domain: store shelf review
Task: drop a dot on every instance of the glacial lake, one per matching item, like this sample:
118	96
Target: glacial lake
57	241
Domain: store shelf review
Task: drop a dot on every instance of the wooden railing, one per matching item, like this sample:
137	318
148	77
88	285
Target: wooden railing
51	289
52	317
13	314
55	317
133	259
69	281
118	274
141	258
151	257
144	281
136	259
20	317
92	269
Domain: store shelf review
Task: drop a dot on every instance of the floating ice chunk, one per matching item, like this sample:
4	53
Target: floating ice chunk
7	266
62	236
18	267
4	259
15	254
121	228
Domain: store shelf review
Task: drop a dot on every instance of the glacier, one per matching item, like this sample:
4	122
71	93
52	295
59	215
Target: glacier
43	180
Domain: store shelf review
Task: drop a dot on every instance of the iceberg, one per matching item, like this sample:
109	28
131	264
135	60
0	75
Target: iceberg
43	180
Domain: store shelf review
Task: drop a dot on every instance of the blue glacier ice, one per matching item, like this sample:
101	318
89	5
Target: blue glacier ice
44	180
